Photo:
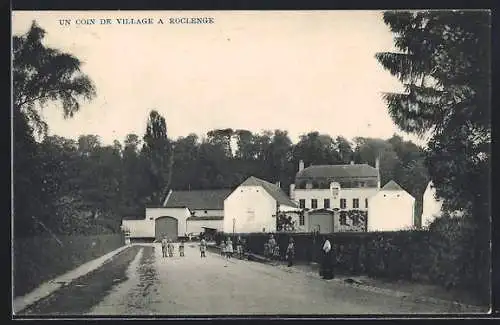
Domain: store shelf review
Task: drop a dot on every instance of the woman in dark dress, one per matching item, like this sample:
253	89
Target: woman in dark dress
327	265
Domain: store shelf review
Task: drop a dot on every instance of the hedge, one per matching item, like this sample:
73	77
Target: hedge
41	258
441	256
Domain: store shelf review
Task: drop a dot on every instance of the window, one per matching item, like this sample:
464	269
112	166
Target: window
314	203
343	220
343	203
205	211
366	203
326	203
302	220
355	203
355	220
302	203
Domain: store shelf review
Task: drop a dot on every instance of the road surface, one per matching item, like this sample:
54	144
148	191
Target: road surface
140	282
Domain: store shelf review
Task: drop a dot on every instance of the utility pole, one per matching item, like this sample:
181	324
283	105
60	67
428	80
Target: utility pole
234	224
277	215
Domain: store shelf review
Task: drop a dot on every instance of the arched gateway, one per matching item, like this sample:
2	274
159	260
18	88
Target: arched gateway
166	226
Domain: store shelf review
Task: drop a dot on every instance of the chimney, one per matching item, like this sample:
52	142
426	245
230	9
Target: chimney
352	162
301	165
292	191
278	183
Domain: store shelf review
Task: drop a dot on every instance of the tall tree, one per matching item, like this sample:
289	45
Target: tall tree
40	75
344	149
157	149
444	62
222	138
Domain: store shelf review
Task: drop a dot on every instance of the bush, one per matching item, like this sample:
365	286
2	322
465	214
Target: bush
443	255
39	259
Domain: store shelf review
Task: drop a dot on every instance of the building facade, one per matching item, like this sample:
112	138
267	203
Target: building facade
391	209
336	188
254	205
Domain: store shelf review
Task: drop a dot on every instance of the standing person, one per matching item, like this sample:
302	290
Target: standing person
327	265
229	248
164	246
239	247
276	252
181	248
170	248
203	247
272	245
290	252
223	248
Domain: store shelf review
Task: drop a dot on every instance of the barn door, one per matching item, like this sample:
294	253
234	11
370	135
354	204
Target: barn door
321	222
166	226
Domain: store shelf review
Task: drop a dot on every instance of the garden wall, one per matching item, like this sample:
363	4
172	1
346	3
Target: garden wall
41	258
439	257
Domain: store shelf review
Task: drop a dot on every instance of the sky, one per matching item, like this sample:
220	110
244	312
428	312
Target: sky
298	71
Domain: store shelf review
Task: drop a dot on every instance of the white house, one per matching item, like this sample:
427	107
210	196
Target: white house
253	206
206	208
158	222
182	213
324	190
391	209
431	205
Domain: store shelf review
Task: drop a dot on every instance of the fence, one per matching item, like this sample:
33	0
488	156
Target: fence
41	258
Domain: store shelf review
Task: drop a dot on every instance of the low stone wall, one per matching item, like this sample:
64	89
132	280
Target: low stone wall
42	258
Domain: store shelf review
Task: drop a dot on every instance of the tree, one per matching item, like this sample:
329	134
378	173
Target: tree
444	63
222	138
247	148
157	149
344	149
42	74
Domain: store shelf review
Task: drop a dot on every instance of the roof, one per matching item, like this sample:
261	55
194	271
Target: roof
338	171
133	218
198	199
275	191
205	218
392	186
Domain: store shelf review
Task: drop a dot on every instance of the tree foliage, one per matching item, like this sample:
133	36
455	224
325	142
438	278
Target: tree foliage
444	62
42	74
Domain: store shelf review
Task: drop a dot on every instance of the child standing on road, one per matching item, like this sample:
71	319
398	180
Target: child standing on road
164	244
290	252
223	248
276	252
229	248
181	248
239	247
170	248
203	247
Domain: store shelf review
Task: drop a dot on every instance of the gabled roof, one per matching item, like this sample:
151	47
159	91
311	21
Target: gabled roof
392	186
198	199
273	190
338	171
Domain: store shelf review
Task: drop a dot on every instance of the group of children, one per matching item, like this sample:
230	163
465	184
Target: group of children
167	247
227	248
272	250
